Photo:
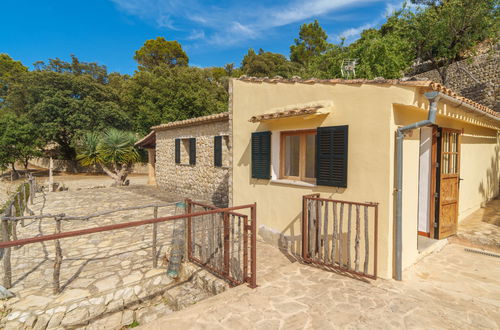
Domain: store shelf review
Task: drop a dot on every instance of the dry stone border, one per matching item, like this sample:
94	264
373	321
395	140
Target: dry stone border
107	278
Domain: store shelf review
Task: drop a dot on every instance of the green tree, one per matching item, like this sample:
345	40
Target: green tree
386	52
160	51
443	31
167	94
62	105
9	70
75	67
311	43
113	151
19	141
267	64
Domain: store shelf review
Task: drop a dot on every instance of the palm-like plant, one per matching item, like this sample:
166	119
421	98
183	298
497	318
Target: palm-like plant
113	150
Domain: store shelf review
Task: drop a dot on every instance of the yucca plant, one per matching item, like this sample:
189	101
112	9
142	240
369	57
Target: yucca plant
113	150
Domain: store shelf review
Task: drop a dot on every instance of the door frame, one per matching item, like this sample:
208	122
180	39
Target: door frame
436	159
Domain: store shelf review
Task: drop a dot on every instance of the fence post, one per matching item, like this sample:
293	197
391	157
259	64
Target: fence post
226	243
304	228
32	189
155	230
253	280
57	260
7	274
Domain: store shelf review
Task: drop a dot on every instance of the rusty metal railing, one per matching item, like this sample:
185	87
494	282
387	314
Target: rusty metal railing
251	279
223	242
340	234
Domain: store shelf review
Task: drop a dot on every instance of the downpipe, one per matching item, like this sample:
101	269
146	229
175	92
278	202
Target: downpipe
433	98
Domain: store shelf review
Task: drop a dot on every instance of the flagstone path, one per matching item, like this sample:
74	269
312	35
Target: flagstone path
107	279
450	289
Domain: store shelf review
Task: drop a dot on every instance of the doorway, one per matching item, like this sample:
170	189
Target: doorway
439	180
447	182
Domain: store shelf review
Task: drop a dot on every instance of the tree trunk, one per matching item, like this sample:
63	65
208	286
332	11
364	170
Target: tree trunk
14	173
118	175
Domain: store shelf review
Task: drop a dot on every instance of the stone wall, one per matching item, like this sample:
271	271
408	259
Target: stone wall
203	181
476	78
62	165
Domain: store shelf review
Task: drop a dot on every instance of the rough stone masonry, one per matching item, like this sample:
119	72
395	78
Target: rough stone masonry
203	181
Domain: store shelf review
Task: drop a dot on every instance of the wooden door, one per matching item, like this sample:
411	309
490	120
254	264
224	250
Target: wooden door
449	180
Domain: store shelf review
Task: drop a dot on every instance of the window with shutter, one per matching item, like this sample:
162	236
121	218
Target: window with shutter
177	151
192	151
331	156
218	151
261	155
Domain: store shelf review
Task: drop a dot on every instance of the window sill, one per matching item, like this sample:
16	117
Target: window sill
189	165
293	182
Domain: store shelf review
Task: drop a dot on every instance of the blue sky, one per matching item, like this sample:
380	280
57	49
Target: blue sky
212	33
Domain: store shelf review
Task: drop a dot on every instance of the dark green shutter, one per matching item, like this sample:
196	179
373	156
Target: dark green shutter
192	151
261	155
177	151
218	151
331	156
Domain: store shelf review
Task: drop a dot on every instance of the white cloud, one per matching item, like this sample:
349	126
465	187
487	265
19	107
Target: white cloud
230	25
196	35
352	34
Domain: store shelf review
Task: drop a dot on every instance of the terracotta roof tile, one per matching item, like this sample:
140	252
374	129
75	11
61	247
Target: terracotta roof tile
382	81
292	111
148	140
193	121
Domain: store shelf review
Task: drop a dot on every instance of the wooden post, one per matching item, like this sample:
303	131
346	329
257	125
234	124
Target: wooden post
155	233
32	189
334	234
341	228
51	177
57	260
367	242
304	227
358	233
319	239
349	237
325	234
7	271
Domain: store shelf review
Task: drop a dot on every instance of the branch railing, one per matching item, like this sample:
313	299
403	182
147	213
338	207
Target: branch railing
340	234
223	242
16	205
58	235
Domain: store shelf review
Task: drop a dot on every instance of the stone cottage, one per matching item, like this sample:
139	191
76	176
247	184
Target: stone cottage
191	158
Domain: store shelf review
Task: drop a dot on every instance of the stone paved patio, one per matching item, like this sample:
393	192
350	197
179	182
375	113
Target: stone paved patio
107	278
450	289
483	226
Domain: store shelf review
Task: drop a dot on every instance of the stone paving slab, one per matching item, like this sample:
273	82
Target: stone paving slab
451	289
107	278
482	227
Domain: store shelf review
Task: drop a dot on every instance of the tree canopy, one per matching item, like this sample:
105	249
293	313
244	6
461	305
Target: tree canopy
156	52
63	104
312	42
443	31
58	102
267	64
9	70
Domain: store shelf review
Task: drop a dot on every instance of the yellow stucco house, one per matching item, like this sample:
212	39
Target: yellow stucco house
340	140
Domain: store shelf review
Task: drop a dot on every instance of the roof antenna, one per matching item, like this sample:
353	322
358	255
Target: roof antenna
348	68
